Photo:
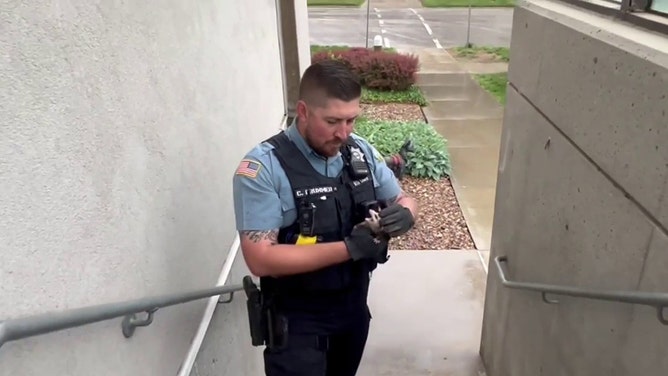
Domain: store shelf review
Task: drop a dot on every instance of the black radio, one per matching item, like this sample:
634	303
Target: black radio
358	166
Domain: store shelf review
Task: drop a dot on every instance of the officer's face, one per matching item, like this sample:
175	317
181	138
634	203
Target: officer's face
327	127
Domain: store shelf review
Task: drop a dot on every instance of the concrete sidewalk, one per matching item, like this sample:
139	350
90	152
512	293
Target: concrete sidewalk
471	120
427	309
427	306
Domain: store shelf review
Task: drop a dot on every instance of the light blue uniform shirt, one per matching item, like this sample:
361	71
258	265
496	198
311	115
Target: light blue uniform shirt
263	198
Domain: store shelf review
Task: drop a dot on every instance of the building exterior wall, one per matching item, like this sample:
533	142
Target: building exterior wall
121	125
226	349
582	196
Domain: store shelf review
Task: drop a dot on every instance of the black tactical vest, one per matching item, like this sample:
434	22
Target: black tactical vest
334	206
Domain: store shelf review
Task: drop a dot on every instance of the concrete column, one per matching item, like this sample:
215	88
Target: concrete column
295	48
581	197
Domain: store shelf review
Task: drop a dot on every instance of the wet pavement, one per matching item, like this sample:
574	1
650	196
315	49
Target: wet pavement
409	26
471	120
427	309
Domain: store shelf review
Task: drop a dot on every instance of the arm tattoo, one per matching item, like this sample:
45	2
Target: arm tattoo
257	236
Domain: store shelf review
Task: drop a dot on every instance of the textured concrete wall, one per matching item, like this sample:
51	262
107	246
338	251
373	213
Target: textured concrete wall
582	196
120	127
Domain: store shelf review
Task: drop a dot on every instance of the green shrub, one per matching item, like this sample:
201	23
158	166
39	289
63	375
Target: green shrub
380	70
412	95
430	159
388	71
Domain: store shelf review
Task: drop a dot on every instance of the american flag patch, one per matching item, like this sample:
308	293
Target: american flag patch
248	168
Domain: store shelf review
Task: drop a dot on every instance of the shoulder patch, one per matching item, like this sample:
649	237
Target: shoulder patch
248	168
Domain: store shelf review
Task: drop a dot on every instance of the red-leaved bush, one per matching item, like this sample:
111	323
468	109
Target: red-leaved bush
378	70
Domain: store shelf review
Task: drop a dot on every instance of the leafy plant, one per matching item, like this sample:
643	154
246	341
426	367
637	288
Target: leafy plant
380	70
379	86
430	159
387	71
411	95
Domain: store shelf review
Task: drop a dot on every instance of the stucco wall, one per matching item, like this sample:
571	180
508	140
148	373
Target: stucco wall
121	126
581	196
227	349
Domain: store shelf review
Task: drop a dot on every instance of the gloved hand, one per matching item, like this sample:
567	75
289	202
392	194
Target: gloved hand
396	220
382	257
362	243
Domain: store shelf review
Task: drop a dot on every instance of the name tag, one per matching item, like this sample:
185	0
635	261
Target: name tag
314	191
357	183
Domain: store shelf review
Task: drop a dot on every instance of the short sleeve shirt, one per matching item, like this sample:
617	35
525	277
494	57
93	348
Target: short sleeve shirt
263	198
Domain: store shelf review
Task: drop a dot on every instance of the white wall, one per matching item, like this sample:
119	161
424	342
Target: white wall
121	124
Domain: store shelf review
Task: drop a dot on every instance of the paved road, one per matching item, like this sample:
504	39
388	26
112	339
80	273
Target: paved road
410	27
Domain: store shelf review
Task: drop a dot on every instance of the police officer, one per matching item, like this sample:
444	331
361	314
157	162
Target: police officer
300	200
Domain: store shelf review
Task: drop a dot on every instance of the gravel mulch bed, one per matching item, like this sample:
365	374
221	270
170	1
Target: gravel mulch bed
393	111
441	224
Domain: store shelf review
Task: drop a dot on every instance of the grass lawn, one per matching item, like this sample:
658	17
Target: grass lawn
465	3
335	2
500	53
495	83
318	48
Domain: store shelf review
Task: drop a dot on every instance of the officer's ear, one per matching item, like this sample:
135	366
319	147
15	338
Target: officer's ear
302	110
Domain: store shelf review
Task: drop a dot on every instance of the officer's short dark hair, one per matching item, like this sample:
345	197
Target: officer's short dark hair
328	79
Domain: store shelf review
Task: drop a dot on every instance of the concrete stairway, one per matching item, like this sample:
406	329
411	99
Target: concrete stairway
471	120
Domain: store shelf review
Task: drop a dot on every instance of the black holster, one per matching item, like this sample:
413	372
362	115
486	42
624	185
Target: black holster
266	326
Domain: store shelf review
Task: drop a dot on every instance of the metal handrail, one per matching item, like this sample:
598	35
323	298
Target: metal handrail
15	329
658	300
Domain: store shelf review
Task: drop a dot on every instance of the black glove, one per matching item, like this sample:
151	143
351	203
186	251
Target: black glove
363	244
396	220
382	257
